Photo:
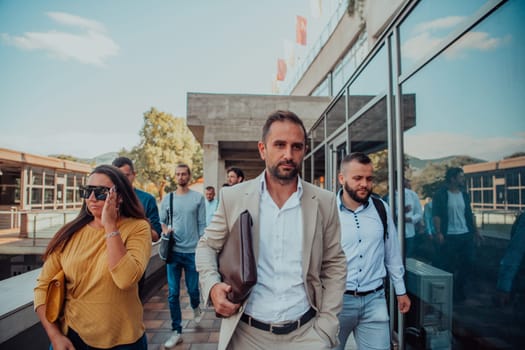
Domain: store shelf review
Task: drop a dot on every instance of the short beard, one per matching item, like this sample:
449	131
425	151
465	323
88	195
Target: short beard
274	171
354	196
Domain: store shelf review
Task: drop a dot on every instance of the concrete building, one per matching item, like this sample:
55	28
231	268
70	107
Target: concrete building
32	185
229	126
434	80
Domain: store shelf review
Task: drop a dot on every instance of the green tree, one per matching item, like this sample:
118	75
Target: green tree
165	142
380	163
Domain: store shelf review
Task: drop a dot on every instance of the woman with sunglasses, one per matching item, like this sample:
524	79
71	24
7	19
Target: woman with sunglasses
103	253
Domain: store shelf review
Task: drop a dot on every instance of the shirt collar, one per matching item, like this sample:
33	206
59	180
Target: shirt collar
263	187
342	206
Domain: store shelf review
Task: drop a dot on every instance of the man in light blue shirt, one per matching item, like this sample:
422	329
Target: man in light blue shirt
211	203
369	255
187	225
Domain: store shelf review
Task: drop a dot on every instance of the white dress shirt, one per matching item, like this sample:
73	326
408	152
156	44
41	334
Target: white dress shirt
415	213
279	294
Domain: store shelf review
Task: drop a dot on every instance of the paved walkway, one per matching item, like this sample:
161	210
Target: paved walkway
202	336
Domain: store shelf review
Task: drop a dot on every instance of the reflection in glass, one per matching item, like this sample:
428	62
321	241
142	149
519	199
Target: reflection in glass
307	175
317	133
336	115
370	82
469	114
428	26
319	167
369	133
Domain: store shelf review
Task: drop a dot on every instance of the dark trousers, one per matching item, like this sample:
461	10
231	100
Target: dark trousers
456	255
78	343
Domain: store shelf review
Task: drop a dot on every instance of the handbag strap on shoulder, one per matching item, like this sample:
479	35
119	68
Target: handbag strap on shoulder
171	209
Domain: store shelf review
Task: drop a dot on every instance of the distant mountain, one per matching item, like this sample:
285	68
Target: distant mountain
105	158
418	164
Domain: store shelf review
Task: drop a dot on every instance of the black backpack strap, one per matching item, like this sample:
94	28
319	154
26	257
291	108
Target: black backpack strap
380	207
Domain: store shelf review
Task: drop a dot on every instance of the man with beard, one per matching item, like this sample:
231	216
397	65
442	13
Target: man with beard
186	223
369	255
301	267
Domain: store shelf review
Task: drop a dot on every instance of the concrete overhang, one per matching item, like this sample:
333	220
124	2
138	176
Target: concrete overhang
233	122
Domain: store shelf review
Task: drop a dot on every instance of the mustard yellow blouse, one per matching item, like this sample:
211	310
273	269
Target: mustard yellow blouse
102	306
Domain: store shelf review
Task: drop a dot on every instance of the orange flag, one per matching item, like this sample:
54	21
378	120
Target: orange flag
281	69
300	30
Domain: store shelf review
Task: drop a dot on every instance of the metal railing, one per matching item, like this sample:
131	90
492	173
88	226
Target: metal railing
10	219
35	224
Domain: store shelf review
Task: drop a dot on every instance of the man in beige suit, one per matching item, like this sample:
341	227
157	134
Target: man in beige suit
301	267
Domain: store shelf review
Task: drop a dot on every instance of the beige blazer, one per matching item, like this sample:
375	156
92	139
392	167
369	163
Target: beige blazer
324	263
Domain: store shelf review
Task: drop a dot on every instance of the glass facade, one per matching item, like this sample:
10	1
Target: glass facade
48	189
456	100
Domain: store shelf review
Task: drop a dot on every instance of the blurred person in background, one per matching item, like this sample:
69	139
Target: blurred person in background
148	201
234	176
211	203
456	231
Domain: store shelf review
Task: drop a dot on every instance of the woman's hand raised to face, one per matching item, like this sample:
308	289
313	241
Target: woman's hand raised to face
110	212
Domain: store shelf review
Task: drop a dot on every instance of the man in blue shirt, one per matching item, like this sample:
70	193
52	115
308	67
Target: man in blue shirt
187	224
211	203
148	201
369	255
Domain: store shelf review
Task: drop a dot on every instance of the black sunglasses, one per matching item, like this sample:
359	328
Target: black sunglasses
101	192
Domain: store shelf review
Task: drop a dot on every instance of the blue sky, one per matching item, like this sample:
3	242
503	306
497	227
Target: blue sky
77	76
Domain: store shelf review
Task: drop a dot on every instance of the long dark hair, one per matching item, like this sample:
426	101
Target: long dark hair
129	208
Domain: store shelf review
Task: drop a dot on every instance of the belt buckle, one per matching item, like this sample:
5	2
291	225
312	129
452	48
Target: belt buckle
274	329
355	293
283	329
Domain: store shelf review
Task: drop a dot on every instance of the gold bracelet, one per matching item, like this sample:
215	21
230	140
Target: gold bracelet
112	234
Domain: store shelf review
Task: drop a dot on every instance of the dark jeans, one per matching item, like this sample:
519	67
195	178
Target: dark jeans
456	255
78	343
174	269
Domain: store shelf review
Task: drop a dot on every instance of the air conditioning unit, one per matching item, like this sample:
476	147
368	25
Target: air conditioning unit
429	321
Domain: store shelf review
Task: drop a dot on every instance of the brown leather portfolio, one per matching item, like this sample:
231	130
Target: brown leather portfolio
237	264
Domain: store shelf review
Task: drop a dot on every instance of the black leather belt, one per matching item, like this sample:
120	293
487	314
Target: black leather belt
355	293
279	328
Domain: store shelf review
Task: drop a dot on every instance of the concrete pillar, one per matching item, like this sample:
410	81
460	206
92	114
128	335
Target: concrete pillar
24	225
211	165
221	170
